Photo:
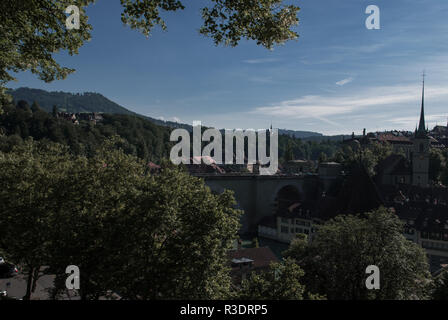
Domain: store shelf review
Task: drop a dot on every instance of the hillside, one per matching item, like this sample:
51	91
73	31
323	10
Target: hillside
78	103
299	134
95	102
143	138
69	102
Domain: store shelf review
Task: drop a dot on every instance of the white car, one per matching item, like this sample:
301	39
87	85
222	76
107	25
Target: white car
2	260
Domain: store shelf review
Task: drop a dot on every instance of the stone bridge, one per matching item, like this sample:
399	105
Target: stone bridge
260	196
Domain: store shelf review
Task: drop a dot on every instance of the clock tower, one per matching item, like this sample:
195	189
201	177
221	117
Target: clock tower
420	154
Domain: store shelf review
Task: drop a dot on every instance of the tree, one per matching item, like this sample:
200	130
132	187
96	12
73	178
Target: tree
33	30
280	282
162	236
335	261
298	248
55	111
289	152
436	164
24	106
368	155
322	157
30	176
441	286
35	107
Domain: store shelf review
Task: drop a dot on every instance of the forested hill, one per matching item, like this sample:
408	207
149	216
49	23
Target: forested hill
145	137
80	102
142	137
300	134
69	102
95	102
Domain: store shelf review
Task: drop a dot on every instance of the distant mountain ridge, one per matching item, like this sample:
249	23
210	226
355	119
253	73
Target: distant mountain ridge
96	102
69	102
299	134
79	103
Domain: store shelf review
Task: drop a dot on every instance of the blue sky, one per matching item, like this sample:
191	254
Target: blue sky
338	77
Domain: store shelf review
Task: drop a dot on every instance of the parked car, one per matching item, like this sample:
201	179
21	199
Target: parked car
4	296
2	260
8	270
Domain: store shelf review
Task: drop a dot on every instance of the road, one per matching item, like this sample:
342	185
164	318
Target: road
16	287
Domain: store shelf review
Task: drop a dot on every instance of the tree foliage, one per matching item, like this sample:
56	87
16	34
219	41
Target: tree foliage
280	282
369	156
30	175
437	164
268	22
336	260
161	236
440	291
32	31
290	148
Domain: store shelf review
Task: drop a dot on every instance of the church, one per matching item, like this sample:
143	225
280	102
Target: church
412	169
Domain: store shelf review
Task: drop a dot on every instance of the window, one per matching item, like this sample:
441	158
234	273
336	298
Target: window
435	235
284	229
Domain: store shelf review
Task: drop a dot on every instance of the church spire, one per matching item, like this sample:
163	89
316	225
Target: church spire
421	127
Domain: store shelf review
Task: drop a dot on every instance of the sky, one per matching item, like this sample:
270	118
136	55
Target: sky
338	77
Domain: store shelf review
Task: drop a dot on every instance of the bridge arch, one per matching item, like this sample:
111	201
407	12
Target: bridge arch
259	196
286	196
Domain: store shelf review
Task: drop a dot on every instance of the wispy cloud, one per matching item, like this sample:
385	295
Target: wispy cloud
431	119
361	49
344	81
261	79
261	60
321	107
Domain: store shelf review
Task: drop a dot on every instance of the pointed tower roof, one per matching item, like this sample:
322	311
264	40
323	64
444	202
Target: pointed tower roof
421	131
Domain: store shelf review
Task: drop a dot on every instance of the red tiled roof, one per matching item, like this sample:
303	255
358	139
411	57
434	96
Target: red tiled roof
388	137
262	257
152	165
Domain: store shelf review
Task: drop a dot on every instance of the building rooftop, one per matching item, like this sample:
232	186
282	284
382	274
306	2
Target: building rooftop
260	257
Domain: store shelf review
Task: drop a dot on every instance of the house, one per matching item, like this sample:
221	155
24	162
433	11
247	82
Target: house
245	261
